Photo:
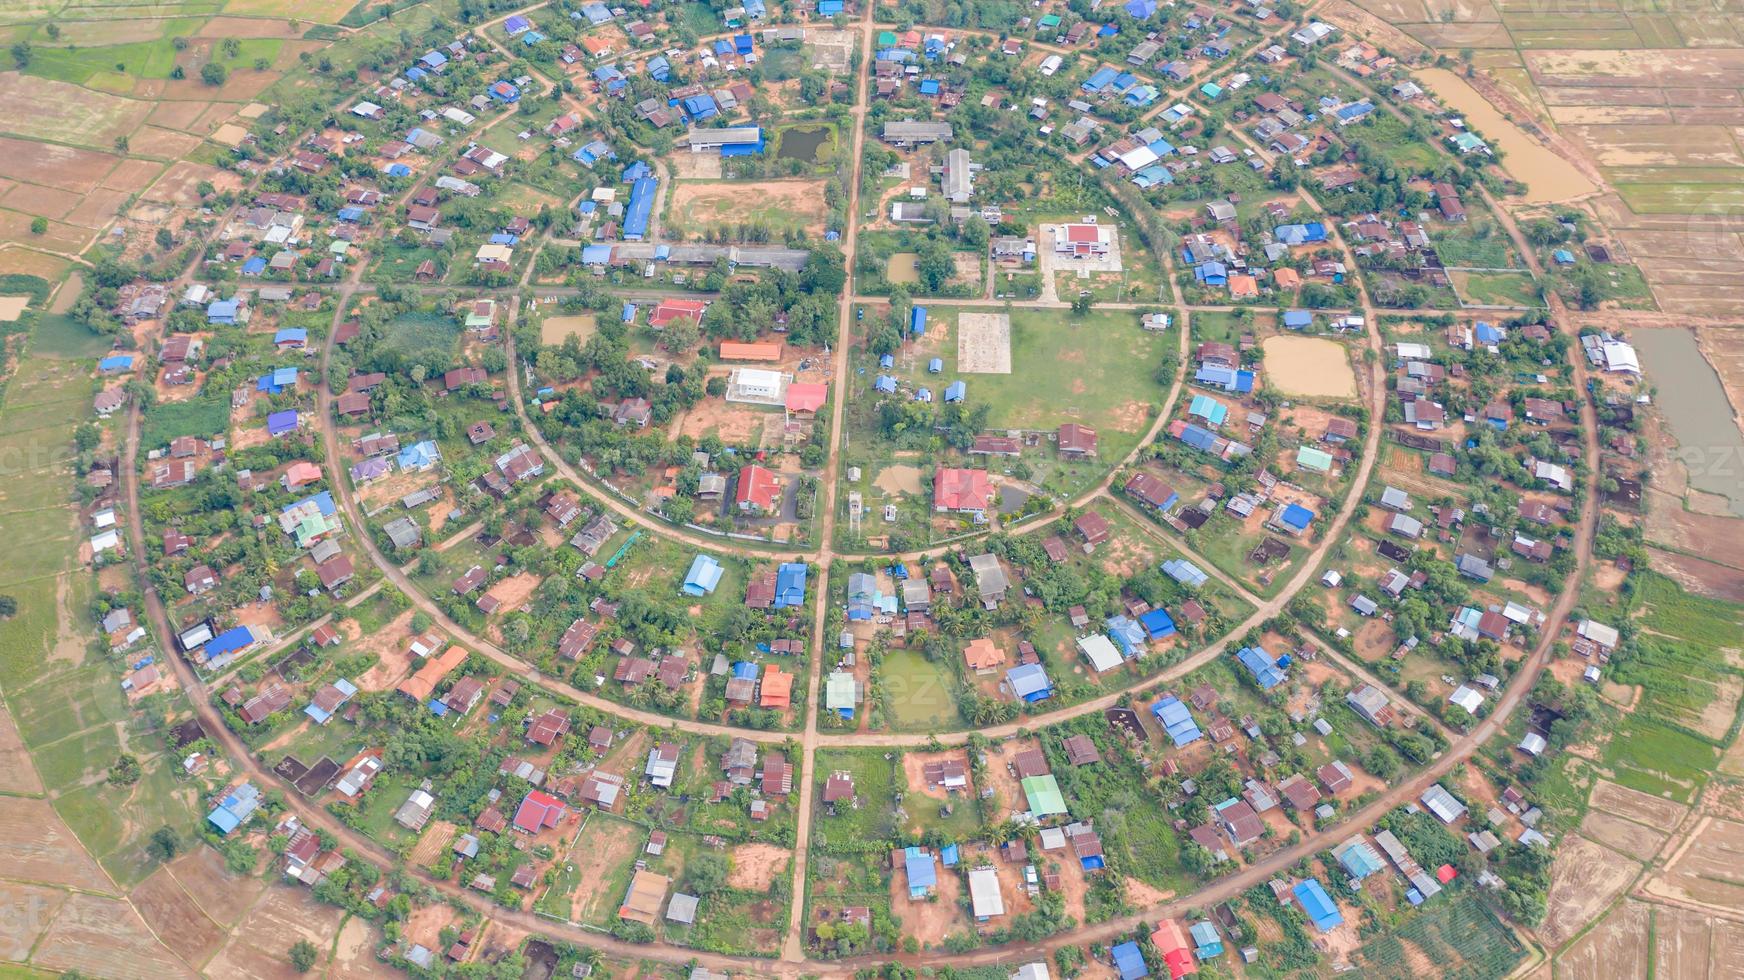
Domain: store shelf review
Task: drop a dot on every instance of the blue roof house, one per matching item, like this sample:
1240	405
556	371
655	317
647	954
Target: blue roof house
277	380
1208	408
294	336
1029	682
929	86
434	59
1141	9
222	311
790	585
1101	79
1211	90
885	384
517	24
1129	960
116	363
1184	572
351	215
1158	623
950	855
235	809
829	8
639	209
1212	273
1300	234
1321	909
254	266
505	92
704	575
936	365
279	423
923	872
1266	671
419	456
917	318
1296	517
1128	635
887	360
1206	942
1177	721
219	648
742	43
956	391
1358	858
1298	319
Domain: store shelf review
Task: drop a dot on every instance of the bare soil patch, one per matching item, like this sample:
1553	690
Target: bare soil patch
899	479
555	330
17	772
1617	947
175	918
105	937
1622	836
514	591
36	845
285	914
432	845
983	343
929	920
914	769
1308	367
600	850
757	866
354	954
224	896
1584	880
389	644
25	911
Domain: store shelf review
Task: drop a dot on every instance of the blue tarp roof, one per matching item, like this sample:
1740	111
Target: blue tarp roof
745	670
1127	634
115	362
1158	623
790	585
1296	516
1029	682
742	43
277	380
948	855
1129	960
231	640
1321	909
1262	666
1300	234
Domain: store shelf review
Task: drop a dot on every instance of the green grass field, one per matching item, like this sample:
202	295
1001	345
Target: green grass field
416	333
1460	935
116	822
55	335
205	416
875	780
1497	288
917	692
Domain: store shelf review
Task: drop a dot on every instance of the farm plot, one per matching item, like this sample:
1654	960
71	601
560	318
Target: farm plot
1705	870
224	895
36	845
25	913
1584	880
66	114
1460	937
106	938
173	915
17	773
1620	946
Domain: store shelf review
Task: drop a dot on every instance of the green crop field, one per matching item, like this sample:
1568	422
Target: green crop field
1457	933
1497	288
206	416
416	333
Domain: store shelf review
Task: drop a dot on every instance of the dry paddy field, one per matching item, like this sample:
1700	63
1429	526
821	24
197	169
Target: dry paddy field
1620	946
1584	881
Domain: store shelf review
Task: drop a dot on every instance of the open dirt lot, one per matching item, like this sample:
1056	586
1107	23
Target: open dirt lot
17	774
983	343
997	775
173	916
929	921
1617	947
757	866
25	912
432	845
514	591
776	204
601	850
1584	880
354	953
104	937
1309	367
35	845
224	896
389	644
899	479
66	113
914	769
555	330
285	914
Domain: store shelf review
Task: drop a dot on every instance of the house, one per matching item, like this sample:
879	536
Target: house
983	656
662	764
1083	240
758	491
962	491
1372	704
1317	905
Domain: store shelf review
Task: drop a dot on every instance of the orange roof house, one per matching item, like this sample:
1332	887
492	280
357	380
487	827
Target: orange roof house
670	310
422	684
982	655
805	398
1287	278
1171	943
961	490
733	350
1243	286
777	688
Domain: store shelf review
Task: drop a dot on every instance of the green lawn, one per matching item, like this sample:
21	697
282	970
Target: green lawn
918	692
1498	288
868	826
205	416
57	335
95	814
